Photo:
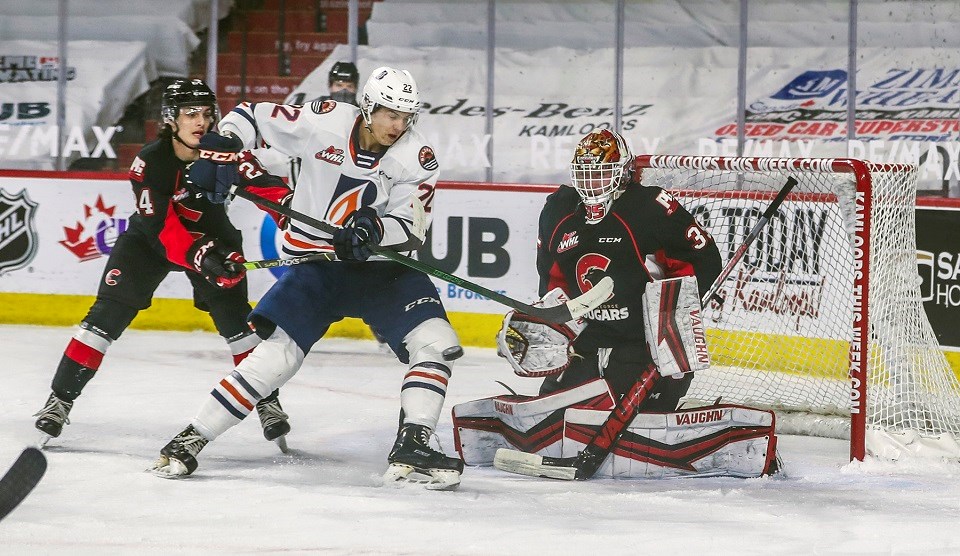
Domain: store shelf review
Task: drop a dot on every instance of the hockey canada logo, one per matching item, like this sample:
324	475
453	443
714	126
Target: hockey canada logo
95	235
567	242
427	159
18	234
331	154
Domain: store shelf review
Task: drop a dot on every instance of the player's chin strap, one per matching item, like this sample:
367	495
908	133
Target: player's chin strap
588	461
573	309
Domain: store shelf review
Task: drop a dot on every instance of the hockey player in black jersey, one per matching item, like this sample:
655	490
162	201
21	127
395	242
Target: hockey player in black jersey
608	224
175	228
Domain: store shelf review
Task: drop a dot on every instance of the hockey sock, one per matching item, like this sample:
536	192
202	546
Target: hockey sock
242	344
80	361
423	391
267	367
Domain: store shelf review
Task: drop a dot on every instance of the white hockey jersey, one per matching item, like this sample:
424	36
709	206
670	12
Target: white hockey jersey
336	176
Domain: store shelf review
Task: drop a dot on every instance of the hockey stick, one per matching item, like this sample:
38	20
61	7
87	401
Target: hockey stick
589	460
23	475
573	309
274	263
767	215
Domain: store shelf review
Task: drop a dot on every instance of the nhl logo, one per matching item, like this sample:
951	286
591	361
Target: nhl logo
18	235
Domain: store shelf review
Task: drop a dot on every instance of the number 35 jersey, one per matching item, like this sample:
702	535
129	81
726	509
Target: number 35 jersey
647	235
337	176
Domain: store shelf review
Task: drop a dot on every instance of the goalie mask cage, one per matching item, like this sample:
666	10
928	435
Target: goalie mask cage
822	320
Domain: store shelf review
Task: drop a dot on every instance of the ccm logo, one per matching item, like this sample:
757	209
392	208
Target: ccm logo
215	156
609	240
421	301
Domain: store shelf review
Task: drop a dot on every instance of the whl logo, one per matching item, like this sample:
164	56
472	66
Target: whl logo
330	154
18	234
95	235
567	242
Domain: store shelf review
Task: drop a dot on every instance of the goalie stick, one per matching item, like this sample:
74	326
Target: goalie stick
571	310
23	475
589	460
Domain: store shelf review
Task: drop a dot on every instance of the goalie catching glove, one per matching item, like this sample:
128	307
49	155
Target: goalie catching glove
536	348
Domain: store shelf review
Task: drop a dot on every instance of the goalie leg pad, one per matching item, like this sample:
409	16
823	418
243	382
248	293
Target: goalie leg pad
433	346
527	423
673	326
269	366
715	441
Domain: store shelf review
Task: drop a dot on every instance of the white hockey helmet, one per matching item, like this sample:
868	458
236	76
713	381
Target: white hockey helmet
602	163
390	88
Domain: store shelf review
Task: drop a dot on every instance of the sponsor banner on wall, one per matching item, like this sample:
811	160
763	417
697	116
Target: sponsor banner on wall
57	232
938	263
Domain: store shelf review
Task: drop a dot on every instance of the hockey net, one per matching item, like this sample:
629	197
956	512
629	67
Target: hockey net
822	319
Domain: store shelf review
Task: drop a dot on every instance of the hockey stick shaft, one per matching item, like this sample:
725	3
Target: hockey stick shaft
751	237
23	475
274	263
573	309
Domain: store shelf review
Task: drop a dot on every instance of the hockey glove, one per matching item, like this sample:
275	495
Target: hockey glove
215	172
362	230
535	348
221	266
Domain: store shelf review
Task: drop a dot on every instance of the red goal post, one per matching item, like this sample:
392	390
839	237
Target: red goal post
822	321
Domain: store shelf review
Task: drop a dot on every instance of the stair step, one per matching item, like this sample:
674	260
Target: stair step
294	21
305	43
126	152
259	88
267	64
321	4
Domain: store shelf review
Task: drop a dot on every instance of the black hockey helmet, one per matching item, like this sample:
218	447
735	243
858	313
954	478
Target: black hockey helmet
344	71
187	92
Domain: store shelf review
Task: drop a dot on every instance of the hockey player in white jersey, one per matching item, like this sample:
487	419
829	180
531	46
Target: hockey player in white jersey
362	169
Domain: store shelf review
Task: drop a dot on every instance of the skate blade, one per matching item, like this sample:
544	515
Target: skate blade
167	468
282	444
514	461
42	441
399	475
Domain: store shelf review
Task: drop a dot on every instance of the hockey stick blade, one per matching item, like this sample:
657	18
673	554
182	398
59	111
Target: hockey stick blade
25	473
573	309
533	465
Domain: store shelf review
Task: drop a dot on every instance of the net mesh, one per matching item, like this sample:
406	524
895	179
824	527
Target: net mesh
781	336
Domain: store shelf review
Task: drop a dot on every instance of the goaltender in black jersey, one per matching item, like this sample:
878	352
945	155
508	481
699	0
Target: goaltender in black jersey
607	224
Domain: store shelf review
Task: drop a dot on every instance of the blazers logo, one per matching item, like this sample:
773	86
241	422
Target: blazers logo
18	234
427	159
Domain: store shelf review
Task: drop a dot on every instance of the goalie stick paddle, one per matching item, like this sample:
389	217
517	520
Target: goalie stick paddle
586	464
25	473
573	309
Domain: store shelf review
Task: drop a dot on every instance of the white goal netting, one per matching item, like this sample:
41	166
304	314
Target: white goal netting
822	319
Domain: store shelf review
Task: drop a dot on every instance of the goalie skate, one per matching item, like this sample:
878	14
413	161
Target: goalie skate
533	465
414	462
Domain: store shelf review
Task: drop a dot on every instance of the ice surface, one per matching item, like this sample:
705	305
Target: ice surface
248	498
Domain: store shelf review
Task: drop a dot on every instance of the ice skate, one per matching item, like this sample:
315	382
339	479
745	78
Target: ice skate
412	460
179	457
52	418
274	421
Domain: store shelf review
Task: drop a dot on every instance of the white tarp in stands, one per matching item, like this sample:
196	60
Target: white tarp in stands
98	91
676	101
686	23
195	13
170	41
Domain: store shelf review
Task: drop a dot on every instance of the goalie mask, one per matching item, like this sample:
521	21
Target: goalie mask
393	89
601	166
